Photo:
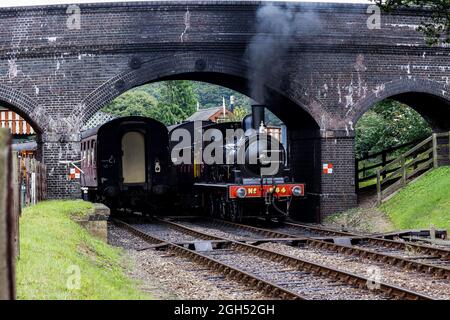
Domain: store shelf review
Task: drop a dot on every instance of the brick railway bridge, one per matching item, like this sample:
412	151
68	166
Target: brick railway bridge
336	68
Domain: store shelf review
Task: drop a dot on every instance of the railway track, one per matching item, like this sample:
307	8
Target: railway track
423	258
279	275
435	263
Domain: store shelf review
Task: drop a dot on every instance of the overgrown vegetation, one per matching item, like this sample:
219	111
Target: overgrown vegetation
53	248
436	29
422	203
172	102
389	123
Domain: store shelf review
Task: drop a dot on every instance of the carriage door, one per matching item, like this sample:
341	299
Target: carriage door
133	157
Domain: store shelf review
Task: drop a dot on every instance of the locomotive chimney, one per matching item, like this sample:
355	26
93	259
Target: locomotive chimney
232	101
257	115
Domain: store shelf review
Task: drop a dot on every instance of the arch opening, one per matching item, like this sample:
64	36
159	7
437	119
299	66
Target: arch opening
390	127
304	146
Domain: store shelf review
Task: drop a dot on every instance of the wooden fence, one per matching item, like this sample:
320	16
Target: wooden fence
22	183
366	167
32	181
410	165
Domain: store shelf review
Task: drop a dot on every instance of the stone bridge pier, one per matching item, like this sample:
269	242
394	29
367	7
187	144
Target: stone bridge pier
60	64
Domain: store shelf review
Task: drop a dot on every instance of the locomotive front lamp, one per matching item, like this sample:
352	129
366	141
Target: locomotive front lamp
297	191
241	192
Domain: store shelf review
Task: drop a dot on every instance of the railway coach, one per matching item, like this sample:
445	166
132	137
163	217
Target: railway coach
125	164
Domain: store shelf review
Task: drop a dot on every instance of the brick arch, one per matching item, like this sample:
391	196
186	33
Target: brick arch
423	95
25	106
184	66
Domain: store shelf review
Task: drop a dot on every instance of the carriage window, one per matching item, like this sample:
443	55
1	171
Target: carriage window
133	158
94	154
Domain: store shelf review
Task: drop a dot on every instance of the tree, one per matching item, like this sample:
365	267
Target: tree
132	103
437	29
179	95
211	95
387	124
176	101
238	114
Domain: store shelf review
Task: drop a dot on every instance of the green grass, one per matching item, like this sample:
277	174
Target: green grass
51	244
422	203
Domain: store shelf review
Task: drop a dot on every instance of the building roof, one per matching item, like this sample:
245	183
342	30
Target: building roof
205	114
98	119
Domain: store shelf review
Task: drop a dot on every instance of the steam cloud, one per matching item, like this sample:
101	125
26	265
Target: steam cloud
276	27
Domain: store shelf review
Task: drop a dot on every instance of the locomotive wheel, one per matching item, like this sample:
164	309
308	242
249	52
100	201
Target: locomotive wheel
223	210
235	212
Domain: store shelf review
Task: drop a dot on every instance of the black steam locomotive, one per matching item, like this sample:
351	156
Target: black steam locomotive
125	164
231	175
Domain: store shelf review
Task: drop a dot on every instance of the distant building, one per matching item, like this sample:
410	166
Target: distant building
19	128
211	114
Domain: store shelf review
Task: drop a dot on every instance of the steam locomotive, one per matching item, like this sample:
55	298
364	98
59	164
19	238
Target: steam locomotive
245	176
125	164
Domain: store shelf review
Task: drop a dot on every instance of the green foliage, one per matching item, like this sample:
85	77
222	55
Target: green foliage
173	101
422	203
437	29
179	94
211	96
132	103
387	124
51	243
238	114
176	100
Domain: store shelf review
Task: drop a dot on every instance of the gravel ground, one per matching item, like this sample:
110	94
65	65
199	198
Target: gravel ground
166	276
164	232
412	280
222	231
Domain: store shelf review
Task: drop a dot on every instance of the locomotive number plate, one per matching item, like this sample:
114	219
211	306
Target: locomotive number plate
258	191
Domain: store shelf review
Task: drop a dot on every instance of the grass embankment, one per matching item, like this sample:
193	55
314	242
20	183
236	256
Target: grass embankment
422	203
53	248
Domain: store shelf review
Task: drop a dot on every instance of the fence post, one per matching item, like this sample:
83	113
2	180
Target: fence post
435	153
403	171
6	248
378	188
16	197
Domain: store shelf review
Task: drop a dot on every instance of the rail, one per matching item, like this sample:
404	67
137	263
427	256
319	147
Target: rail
410	165
305	265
